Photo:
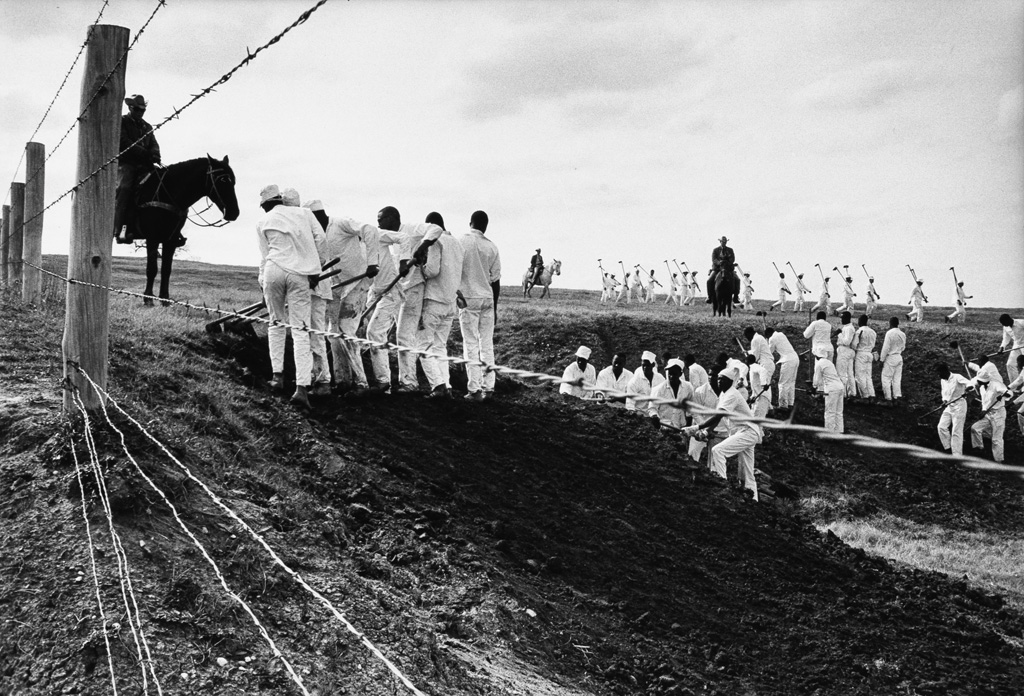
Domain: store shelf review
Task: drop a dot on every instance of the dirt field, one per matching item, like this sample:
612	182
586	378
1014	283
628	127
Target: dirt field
527	545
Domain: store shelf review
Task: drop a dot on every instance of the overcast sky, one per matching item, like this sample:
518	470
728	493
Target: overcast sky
877	133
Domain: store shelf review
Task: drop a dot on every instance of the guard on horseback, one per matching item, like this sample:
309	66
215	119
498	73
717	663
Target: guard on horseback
723	262
139	154
536	268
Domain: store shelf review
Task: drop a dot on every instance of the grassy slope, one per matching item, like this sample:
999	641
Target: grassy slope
437	537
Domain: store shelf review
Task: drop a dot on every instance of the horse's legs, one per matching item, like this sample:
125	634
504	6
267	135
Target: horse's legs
151	254
165	268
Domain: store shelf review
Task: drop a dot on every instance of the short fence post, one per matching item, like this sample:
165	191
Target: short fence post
15	236
86	325
32	251
5	233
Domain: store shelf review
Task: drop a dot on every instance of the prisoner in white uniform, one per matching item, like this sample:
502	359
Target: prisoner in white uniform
384	247
748	292
820	333
789	364
695	289
917	300
675	388
674	290
706	396
891	357
604	287
1017	386
442	274
864	358
801	290
824	302
872	301
580	368
761	351
760	380
319	299
993	416
645	378
783	291
848	295
653	286
625	291
959	304
1013	338
413	240
480	287
984	366
613	379
288	260
693	372
953	388
827	379
845	354
744	436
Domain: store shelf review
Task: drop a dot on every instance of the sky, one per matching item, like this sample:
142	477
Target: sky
812	132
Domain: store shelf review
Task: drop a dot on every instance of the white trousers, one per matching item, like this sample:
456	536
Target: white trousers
317	343
959	313
863	366
798	303
383	319
781	302
343	315
437	326
869	307
787	383
991	426
951	426
844	366
761	405
1011	364
408	335
477	324
287	296
741	444
917	313
834	402
892	377
829	354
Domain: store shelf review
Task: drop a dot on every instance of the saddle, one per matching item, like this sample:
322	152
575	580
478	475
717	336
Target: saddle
147	197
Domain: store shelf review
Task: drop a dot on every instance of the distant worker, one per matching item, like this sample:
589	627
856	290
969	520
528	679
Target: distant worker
624	290
872	297
993	416
864	358
536	267
579	369
953	388
825	300
675	388
748	292
1013	339
848	294
614	378
891	357
783	291
139	154
917	300
960	304
801	290
820	333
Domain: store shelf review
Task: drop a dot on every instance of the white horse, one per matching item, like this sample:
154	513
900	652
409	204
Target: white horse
551	270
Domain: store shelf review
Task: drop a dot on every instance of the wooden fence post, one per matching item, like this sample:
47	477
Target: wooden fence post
16	238
5	233
86	324
32	250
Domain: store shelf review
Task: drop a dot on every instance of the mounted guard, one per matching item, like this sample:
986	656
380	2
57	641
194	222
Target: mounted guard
140	153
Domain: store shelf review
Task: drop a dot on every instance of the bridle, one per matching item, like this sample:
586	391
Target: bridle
213	176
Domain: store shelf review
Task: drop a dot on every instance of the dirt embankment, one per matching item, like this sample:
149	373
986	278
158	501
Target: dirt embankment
525	545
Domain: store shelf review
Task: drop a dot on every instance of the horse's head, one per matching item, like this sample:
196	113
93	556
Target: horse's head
220	187
556	267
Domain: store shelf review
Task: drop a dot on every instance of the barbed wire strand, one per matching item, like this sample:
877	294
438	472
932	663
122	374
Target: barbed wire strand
123	571
177	112
206	555
92	559
337	613
67	75
818	431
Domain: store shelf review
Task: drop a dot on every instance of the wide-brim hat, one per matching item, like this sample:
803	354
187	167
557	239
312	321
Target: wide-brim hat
723	238
136	101
583	352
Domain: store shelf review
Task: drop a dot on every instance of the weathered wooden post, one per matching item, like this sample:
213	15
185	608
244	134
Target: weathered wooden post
86	325
32	250
5	231
15	238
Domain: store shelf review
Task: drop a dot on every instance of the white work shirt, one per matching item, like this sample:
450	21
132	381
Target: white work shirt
706	397
989	369
894	344
346	240
573	371
670	414
762	351
783	287
954	387
801	287
778	343
288	240
990	396
740	368
481	265
826	377
732	400
696	375
442	272
820	333
407	239
917	296
606	379
759	379
961	297
845	337
871	291
864	341
639	385
1013	335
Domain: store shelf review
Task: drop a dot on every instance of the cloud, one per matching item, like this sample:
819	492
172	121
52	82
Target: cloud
568	60
859	89
1010	116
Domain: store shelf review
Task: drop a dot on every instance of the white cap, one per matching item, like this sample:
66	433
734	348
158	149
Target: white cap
730	373
583	352
269	192
675	362
650	357
290	197
314	205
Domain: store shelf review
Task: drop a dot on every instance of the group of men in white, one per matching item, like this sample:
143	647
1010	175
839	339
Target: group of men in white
409	277
743	387
683	290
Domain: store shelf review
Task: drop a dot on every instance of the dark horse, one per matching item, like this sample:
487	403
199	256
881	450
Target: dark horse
722	288
161	208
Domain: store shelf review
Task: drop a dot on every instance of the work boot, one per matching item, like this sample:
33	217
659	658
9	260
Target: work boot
439	392
301	397
475	396
277	382
321	389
